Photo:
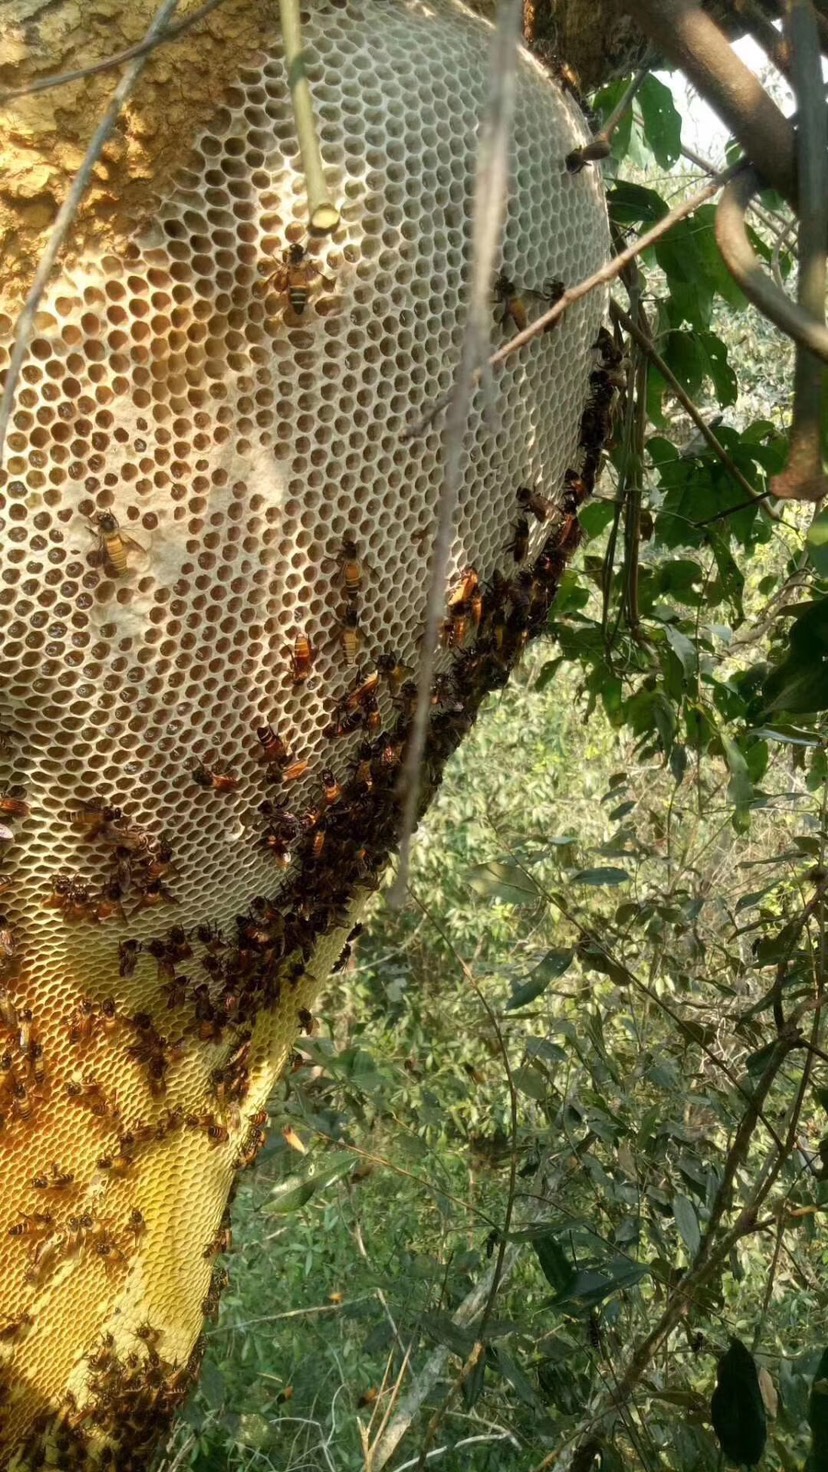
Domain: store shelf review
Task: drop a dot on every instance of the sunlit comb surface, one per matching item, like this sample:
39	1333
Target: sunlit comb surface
210	528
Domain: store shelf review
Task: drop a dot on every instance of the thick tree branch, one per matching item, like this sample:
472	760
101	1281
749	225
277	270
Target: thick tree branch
739	257
803	478
690	39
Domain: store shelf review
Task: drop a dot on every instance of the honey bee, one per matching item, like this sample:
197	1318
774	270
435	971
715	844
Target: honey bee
350	567
466	588
349	633
393	671
294	276
333	789
217	1134
305	1019
213	779
57	1180
37	1066
44	1258
295	771
301	659
7	949
514	308
221	1243
363	771
453	630
116	1165
136	1225
40	1224
128	952
519	545
12	803
16	1329
113	543
372	715
529	500
273	747
8	1077
23	1106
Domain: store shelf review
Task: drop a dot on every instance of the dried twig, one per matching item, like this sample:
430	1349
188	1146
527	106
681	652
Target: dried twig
65	216
646	343
490	192
142	48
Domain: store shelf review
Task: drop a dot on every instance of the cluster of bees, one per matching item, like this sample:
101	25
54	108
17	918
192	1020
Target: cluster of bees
140	866
50	1241
132	1394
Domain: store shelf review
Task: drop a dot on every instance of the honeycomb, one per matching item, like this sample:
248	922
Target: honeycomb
215	552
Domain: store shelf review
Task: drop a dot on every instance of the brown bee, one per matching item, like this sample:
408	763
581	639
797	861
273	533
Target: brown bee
7	946
23	1106
514	308
116	1165
113	543
350	567
454	629
333	789
8	1012
363	692
16	1329
44	1258
466	588
273	747
57	1180
294	276
519	545
128	952
222	1242
136	1225
12	803
295	771
396	673
349	633
40	1224
363	773
217	1134
529	500
213	779
301	659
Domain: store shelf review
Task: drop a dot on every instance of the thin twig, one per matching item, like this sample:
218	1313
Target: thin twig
803	478
490	194
65	216
649	347
738	255
323	216
602	277
142	48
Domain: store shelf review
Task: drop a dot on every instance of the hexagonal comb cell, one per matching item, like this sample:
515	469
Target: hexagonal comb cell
213	536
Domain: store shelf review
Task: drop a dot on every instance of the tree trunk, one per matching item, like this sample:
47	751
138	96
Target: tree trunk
215	563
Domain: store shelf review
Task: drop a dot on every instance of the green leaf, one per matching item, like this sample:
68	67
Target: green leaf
532	1082
683	648
740	788
504	882
632	204
553	965
600	877
687	1223
555	1265
662	123
291	1195
817	543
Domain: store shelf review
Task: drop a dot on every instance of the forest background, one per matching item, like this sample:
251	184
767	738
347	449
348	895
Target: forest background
584	1061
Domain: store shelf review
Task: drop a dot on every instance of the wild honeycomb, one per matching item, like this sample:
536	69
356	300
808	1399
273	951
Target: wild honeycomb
202	472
